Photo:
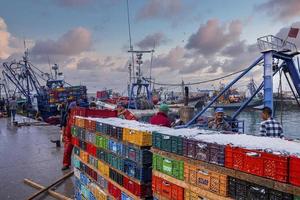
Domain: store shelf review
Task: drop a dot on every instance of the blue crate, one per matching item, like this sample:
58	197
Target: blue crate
102	182
140	156
115	147
75	162
102	128
84	179
140	172
78	196
124	196
91	196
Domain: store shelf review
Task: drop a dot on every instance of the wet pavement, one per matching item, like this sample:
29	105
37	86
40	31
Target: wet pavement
26	152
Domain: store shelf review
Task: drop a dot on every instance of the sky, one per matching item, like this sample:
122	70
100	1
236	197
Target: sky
193	40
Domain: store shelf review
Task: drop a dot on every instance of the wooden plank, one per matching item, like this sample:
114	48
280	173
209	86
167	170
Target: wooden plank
51	185
51	192
283	187
197	190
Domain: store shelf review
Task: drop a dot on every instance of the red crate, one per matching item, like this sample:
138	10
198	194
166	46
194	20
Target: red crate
75	141
91	149
168	189
137	189
257	162
103	113
294	169
114	191
78	111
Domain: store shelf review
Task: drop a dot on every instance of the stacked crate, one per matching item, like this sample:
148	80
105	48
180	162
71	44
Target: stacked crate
114	154
183	178
184	160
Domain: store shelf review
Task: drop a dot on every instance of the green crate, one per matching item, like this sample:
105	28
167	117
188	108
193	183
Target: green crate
115	161
102	142
76	151
174	168
74	131
173	144
296	197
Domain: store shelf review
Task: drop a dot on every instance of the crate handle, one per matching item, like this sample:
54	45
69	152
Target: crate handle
166	137
166	183
253	154
202	146
168	161
131	132
201	171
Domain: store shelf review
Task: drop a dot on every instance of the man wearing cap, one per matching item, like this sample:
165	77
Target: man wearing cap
161	118
218	123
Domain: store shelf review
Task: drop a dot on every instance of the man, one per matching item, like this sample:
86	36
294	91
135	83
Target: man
161	118
13	107
269	126
218	123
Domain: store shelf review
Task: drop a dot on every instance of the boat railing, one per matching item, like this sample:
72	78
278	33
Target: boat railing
271	42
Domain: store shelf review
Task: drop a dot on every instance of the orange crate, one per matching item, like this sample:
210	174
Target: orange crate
79	122
90	125
206	179
189	195
84	156
140	138
103	168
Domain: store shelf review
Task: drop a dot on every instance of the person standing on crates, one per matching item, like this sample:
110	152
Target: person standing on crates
161	118
218	123
269	126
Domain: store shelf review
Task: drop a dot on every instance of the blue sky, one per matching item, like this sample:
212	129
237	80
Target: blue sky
194	38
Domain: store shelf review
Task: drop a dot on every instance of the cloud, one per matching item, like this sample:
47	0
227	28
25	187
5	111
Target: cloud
173	59
152	40
166	9
214	36
73	42
94	64
280	10
4	39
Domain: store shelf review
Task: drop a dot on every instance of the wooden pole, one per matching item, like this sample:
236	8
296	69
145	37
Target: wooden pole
53	184
51	192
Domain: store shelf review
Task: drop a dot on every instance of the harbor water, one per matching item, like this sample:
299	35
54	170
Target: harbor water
289	119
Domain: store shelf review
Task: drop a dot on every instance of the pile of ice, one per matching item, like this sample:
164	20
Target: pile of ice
253	142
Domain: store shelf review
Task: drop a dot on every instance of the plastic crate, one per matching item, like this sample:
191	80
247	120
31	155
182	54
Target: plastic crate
102	155
124	196
84	156
82	145
91	149
206	179
93	161
103	168
140	156
115	147
294	170
217	154
101	142
140	138
276	195
90	137
140	172
115	161
114	190
75	162
115	176
115	132
258	163
90	125
102	128
75	141
196	149
102	182
174	168
143	190
189	195
101	113
173	144
167	189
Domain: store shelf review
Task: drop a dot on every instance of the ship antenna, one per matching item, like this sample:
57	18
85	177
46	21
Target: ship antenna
130	42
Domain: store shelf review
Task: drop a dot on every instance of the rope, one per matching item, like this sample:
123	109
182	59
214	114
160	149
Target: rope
196	83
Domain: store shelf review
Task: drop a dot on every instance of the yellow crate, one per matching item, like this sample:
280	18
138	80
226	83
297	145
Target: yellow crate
140	138
84	156
103	168
97	192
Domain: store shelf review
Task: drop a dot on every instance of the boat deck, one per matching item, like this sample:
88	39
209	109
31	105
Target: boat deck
26	152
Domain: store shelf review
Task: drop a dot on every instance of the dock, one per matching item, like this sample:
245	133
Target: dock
27	153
